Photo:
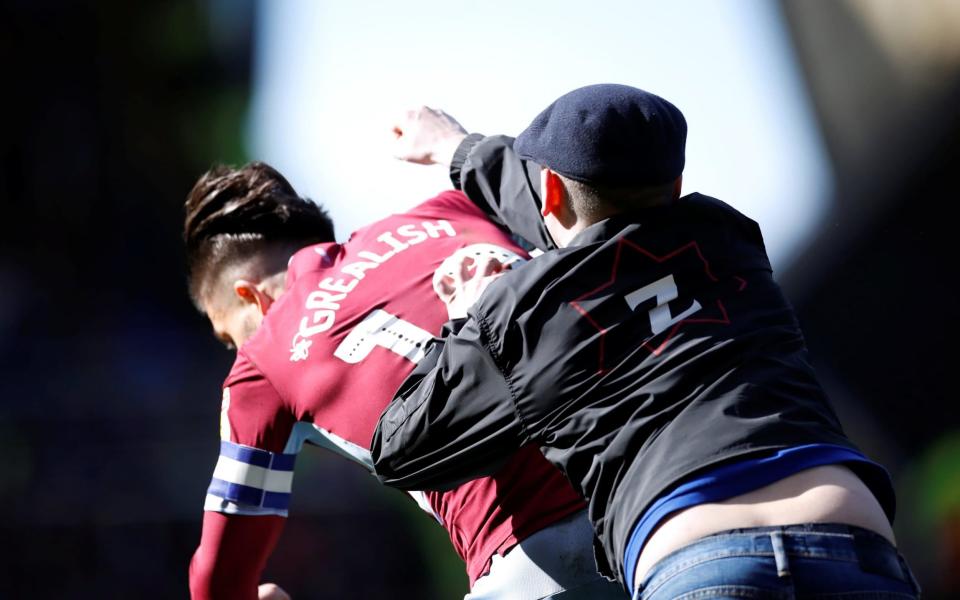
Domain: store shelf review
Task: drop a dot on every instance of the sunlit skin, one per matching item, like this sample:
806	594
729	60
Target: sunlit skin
236	304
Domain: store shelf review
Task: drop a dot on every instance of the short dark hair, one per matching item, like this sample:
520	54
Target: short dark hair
233	214
594	201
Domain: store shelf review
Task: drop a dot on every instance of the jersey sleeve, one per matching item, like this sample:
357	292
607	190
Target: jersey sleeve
254	472
231	556
451	421
504	186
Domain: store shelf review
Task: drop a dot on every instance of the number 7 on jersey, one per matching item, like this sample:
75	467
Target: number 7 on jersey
386	330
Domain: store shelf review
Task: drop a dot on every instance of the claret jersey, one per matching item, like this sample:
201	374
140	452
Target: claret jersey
330	354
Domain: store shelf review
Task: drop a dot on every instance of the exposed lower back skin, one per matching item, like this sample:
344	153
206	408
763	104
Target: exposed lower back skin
829	494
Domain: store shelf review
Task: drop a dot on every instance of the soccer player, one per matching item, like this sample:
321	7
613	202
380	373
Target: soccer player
325	333
653	357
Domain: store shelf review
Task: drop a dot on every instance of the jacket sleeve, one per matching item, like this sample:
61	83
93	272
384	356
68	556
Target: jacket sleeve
506	187
452	420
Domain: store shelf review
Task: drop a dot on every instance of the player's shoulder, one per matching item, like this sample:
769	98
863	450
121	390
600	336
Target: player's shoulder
250	392
243	370
449	209
449	205
447	202
308	259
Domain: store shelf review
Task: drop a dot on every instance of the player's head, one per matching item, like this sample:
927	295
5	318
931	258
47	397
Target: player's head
605	149
241	228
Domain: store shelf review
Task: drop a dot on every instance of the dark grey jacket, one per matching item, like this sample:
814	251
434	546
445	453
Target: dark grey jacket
654	346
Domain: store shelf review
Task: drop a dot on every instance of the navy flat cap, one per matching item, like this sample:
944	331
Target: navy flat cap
608	134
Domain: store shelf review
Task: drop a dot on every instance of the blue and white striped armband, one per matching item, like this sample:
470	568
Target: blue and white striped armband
250	481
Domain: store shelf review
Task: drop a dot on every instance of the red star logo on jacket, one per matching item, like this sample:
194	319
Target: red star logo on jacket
678	289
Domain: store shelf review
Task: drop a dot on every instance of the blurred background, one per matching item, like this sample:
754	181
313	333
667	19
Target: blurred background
836	125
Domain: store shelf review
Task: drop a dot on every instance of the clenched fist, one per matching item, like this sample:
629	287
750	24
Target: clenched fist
426	136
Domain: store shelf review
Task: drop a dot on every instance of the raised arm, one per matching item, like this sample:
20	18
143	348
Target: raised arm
487	169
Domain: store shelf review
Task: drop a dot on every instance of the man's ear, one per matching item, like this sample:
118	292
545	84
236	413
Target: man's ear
677	186
553	192
249	293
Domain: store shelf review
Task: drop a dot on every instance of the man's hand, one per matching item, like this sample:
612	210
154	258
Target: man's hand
271	591
461	288
427	136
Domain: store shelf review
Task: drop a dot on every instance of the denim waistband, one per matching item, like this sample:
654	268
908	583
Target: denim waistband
873	552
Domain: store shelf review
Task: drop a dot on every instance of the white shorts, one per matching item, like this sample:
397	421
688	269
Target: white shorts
556	562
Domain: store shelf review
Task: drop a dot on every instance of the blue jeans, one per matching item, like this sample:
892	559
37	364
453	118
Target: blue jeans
796	561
